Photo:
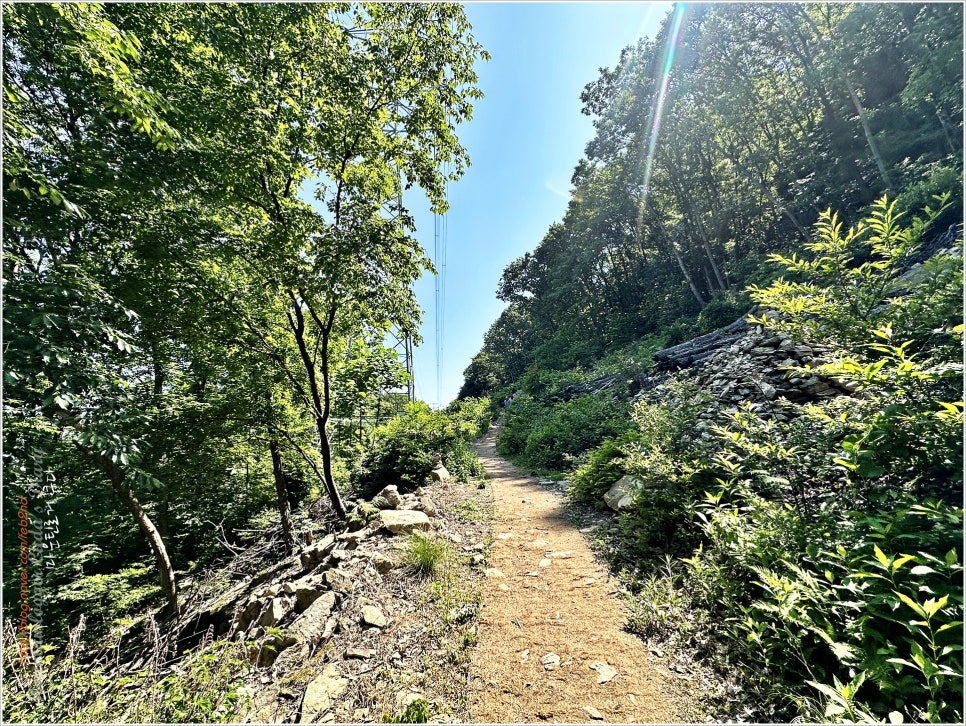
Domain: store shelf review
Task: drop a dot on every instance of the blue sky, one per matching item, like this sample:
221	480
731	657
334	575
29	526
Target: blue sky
524	141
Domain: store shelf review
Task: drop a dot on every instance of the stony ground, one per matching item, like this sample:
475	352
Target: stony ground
519	622
551	641
384	636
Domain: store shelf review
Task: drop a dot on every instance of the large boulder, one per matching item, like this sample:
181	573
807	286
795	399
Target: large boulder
387	498
313	555
310	625
277	609
404	521
620	496
321	693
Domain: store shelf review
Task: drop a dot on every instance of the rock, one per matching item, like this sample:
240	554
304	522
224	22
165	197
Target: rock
360	653
404	521
428	506
321	693
593	713
247	616
311	625
289	588
478	559
339	580
439	474
408	501
768	391
621	494
561	555
493	572
339	555
307	595
312	555
371	615
505	535
271	648
389	495
352	539
551	661
605	673
276	610
383	563
545	562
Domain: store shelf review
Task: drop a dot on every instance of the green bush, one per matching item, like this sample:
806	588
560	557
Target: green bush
472	415
670	458
722	309
402	449
603	467
865	595
573	427
416	712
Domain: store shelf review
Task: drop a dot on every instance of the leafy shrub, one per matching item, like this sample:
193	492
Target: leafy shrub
416	712
402	449
666	456
821	615
573	427
603	467
722	309
472	415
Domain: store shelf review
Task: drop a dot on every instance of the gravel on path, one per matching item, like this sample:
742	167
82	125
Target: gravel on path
551	640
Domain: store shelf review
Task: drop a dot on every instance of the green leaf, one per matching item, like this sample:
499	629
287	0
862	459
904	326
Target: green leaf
880	556
911	603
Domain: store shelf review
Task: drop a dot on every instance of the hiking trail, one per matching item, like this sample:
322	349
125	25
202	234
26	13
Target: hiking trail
551	640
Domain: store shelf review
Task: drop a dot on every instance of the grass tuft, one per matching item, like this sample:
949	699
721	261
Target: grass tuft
426	554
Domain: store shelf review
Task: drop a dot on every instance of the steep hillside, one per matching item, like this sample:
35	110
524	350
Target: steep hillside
719	142
787	490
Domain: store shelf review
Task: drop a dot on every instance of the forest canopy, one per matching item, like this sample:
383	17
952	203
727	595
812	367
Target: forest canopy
204	249
719	141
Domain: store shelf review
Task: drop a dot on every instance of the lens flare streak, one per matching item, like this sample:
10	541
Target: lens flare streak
657	111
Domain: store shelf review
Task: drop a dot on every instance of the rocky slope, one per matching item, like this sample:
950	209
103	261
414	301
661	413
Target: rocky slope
345	631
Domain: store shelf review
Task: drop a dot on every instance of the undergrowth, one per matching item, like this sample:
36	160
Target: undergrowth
81	687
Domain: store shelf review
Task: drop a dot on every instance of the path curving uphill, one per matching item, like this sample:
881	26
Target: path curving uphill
551	644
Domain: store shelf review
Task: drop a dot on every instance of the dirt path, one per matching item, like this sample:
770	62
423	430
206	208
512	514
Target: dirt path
545	594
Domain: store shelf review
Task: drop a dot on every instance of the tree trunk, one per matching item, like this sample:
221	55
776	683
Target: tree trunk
323	420
169	584
321	403
856	103
687	276
281	492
